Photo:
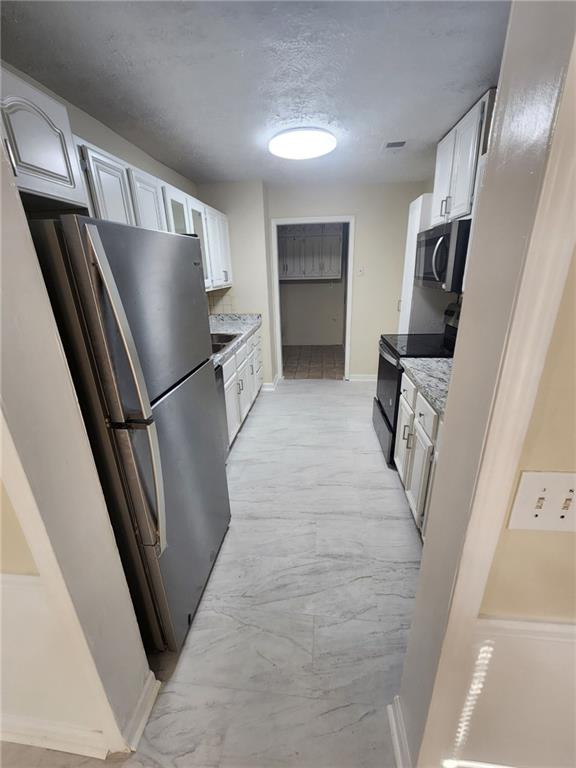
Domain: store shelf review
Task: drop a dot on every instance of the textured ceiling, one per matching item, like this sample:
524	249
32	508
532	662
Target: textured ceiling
203	86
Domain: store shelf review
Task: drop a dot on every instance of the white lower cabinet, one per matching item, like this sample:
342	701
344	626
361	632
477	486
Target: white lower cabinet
232	406
242	382
416	448
421	449
245	395
403	431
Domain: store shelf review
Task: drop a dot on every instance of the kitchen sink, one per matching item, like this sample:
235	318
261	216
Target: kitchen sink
221	340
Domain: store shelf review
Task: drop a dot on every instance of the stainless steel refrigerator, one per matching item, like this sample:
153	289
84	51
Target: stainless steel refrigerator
132	312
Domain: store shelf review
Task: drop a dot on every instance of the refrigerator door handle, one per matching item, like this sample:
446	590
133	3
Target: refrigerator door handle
152	434
103	267
121	320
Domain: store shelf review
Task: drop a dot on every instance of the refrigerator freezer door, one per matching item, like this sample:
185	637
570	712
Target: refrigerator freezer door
196	495
159	279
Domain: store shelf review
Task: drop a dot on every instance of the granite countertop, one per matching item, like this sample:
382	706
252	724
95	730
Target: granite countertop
432	377
244	324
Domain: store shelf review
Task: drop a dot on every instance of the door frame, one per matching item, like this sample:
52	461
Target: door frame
350	220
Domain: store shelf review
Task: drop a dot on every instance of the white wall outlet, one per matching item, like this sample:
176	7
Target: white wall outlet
545	501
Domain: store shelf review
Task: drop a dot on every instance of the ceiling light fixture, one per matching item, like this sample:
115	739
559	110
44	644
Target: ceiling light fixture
302	143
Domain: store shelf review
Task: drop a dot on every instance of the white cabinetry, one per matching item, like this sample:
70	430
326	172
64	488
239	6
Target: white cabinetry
414	449
147	198
38	140
310	251
442	175
219	248
197	218
109	185
242	382
245	395
464	164
404	428
456	162
231	393
421	449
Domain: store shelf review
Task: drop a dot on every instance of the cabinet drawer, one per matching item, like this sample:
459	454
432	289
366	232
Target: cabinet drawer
426	416
229	369
241	354
408	389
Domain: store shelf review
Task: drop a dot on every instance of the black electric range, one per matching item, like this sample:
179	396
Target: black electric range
392	348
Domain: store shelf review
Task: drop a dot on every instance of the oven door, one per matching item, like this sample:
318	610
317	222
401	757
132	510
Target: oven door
433	257
388	387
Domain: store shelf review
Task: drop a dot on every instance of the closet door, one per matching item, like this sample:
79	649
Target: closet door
147	199
109	186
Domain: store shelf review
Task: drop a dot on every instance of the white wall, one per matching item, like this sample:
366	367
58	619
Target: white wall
381	218
71	525
244	203
312	313
524	118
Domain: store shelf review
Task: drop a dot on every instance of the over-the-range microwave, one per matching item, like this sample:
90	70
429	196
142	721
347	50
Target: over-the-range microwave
441	256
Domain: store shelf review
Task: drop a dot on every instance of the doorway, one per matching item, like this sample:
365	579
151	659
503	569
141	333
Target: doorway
312	266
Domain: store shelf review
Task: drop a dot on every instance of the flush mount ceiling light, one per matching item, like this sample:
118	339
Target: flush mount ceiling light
302	143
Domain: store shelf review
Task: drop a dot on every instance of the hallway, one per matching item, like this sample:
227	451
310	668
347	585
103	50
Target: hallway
299	640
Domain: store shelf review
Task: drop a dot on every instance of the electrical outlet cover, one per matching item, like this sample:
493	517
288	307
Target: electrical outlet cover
545	501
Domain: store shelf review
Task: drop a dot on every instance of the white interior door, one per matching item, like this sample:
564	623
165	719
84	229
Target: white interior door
147	198
109	186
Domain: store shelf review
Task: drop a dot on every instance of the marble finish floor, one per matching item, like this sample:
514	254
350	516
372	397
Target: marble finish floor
313	362
299	640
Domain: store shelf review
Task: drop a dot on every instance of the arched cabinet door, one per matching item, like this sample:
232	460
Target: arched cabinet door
38	141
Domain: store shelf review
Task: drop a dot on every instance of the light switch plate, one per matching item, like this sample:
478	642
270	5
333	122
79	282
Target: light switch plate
545	501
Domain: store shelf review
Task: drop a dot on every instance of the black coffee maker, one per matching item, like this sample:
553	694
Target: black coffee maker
451	319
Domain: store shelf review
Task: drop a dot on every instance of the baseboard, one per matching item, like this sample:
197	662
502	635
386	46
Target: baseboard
399	738
52	735
135	727
362	377
270	386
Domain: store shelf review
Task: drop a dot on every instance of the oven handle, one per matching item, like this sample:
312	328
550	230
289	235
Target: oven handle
387	356
434	257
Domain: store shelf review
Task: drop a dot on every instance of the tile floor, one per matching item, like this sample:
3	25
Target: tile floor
298	644
313	362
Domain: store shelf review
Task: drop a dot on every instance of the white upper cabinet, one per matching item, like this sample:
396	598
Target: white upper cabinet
464	165
109	185
310	252
218	247
38	140
147	198
442	175
456	163
197	217
177	213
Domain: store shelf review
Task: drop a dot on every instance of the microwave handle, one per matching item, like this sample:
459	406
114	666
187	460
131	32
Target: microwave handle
434	257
